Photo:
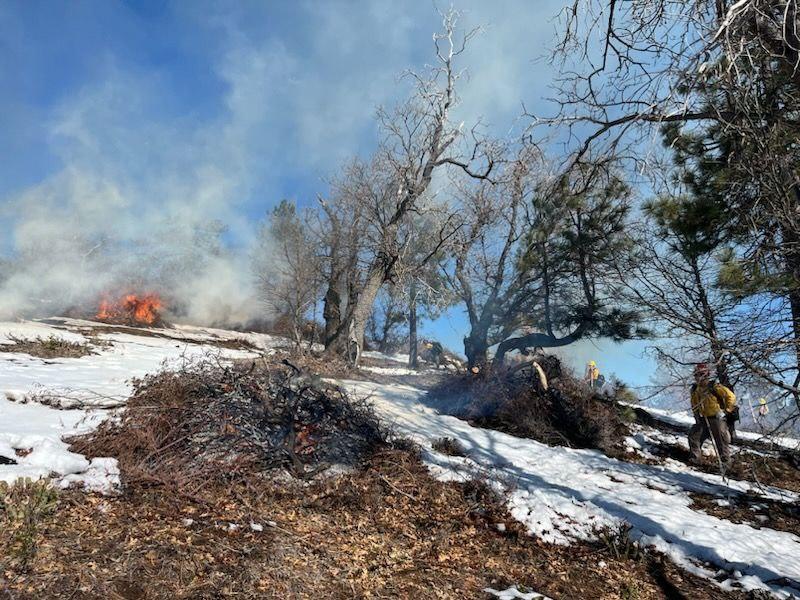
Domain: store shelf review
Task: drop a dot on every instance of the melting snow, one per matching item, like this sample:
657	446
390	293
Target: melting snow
562	494
390	370
31	433
512	593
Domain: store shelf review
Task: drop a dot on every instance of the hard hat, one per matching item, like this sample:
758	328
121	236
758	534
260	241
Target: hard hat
592	363
701	369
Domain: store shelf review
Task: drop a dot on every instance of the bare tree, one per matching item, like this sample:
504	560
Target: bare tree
481	270
288	268
418	138
672	276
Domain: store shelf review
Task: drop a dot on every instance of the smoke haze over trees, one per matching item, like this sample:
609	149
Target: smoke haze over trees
658	197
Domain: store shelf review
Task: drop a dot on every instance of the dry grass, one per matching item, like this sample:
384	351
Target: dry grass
51	347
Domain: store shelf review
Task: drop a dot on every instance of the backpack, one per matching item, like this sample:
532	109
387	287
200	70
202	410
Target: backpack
731	417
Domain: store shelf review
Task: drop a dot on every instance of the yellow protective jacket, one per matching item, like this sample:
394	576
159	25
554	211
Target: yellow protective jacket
708	399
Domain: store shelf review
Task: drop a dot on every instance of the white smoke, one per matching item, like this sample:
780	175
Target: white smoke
139	202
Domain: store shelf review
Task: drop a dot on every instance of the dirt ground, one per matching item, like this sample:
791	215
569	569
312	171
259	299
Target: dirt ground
387	531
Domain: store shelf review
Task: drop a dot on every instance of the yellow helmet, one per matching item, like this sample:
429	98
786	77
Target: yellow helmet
592	363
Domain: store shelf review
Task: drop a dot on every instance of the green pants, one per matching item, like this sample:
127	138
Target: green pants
710	427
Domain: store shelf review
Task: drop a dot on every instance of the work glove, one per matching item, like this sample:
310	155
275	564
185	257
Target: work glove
720	415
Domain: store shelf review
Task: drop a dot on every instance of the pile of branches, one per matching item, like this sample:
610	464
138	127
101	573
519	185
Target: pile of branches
213	423
556	409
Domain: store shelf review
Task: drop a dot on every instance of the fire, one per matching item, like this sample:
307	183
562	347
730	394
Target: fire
131	309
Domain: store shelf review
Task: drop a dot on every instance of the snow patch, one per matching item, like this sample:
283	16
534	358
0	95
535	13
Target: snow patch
513	592
563	494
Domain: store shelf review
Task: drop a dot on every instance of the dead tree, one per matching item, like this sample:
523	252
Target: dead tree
418	139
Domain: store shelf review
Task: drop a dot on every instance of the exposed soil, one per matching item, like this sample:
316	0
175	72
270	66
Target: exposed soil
385	531
753	510
775	471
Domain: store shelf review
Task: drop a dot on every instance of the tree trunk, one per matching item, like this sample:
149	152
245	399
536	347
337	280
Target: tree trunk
476	347
535	340
792	258
413	350
331	312
357	313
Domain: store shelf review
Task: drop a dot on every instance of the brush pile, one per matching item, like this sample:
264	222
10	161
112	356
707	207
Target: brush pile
213	423
546	404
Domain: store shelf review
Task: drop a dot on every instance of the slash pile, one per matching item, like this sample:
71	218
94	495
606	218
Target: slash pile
212	423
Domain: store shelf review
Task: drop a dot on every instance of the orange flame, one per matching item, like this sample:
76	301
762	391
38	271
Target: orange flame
131	309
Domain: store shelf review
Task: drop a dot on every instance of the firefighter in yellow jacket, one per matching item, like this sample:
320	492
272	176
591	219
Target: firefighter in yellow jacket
712	405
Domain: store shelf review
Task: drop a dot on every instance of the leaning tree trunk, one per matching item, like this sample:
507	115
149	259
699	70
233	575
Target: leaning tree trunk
535	340
357	313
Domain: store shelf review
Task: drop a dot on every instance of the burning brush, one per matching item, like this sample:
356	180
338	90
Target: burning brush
131	309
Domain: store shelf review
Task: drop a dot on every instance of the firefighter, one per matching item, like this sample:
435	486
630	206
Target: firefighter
763	409
713	406
593	376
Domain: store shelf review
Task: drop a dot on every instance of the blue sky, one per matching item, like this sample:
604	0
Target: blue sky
121	116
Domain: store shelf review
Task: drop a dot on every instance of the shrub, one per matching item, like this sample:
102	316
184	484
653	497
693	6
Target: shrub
50	347
617	540
513	400
210	423
23	506
449	446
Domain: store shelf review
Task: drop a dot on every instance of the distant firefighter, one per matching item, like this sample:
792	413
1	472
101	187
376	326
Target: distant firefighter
593	376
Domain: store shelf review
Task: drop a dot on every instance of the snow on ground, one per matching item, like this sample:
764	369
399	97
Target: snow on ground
514	592
31	433
400	358
29	330
562	494
684	418
390	370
